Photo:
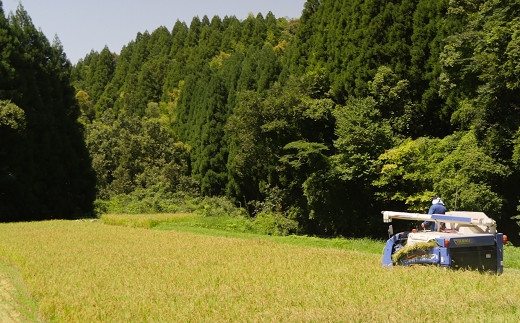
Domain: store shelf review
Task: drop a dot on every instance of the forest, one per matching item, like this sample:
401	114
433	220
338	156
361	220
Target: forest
355	107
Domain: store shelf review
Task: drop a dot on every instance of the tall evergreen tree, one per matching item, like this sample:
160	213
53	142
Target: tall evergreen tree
53	177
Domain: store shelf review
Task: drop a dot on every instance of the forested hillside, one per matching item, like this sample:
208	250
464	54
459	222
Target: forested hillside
356	107
45	169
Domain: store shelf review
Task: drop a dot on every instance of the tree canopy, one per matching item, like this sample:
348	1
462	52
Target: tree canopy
355	107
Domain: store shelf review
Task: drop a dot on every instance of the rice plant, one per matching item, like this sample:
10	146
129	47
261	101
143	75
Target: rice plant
82	271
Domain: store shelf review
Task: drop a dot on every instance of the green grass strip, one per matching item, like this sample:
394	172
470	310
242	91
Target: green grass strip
16	302
242	228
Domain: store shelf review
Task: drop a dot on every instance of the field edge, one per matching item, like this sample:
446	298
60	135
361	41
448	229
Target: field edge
16	303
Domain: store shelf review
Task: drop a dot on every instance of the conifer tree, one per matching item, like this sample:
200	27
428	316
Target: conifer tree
53	177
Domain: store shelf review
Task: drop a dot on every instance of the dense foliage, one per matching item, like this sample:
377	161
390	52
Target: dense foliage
355	107
45	168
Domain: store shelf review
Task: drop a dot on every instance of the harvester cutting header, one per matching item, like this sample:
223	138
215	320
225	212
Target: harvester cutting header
458	239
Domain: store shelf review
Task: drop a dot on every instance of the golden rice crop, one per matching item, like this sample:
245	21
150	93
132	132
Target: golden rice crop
86	271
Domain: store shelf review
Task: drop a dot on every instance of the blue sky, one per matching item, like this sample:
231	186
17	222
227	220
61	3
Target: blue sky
82	25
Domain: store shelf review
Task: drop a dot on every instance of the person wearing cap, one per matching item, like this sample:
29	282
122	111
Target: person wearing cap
436	208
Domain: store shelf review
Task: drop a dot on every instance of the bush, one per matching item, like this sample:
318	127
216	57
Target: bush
158	200
131	204
226	215
274	224
216	206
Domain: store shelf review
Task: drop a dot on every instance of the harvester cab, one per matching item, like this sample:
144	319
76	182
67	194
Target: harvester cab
467	240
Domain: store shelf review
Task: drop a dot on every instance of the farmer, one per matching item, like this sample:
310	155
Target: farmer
436	208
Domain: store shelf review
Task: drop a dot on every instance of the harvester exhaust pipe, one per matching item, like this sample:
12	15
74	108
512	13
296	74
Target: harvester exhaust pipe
390	231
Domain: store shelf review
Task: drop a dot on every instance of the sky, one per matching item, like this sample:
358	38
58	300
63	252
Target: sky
85	25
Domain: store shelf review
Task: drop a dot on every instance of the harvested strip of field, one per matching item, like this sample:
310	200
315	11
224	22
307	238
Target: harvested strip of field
15	305
8	311
82	271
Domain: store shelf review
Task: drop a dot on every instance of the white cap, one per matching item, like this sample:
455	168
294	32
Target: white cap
437	200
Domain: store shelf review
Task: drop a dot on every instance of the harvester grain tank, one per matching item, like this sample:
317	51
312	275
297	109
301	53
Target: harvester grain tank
463	240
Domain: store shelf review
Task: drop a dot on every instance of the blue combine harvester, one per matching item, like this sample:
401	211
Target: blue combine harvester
463	240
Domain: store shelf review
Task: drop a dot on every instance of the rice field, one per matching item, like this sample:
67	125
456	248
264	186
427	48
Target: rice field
82	271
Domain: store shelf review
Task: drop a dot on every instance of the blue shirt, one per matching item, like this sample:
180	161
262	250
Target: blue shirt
434	209
437	209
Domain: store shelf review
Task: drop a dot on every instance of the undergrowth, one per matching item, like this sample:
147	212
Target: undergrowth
213	213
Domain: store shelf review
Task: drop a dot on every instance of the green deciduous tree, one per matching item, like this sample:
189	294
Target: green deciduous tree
480	76
455	168
362	135
480	81
129	153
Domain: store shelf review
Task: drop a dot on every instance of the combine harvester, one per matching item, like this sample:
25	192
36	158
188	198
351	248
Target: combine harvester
464	240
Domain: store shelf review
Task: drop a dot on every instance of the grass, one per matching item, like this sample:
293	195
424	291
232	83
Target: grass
239	227
511	257
78	271
234	227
